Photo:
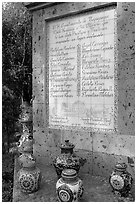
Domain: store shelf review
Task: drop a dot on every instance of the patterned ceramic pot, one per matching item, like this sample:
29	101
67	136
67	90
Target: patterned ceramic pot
29	176
67	159
29	179
69	187
121	180
25	143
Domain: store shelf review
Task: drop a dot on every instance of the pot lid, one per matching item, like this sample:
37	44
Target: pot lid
67	145
121	166
69	173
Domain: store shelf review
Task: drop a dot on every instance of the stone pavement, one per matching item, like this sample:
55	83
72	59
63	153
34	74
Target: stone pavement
96	188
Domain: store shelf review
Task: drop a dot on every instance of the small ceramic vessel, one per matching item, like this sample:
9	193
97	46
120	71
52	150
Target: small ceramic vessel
121	180
67	159
69	187
29	176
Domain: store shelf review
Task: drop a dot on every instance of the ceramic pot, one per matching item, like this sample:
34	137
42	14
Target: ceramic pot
26	140
67	159
27	160
29	176
29	179
69	187
25	118
121	180
25	143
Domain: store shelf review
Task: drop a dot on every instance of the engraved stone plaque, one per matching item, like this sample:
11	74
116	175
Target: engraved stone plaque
82	70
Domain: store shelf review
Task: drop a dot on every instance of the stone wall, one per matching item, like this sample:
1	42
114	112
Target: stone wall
102	150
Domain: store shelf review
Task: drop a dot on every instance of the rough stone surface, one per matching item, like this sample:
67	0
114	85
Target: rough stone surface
103	150
114	144
101	161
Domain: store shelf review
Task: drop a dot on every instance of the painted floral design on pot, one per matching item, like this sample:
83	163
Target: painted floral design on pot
69	187
29	179
67	159
121	180
29	176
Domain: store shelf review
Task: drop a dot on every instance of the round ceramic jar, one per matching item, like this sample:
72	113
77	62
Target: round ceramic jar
67	159
29	179
69	187
121	180
29	176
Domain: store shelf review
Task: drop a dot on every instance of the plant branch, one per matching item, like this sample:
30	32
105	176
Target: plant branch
24	48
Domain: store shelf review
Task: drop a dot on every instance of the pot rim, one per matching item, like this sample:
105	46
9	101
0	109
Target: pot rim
67	145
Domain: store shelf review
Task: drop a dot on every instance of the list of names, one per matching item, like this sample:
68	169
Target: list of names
81	57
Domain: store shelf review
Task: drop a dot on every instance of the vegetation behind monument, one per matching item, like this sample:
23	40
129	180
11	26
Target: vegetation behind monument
16	81
16	66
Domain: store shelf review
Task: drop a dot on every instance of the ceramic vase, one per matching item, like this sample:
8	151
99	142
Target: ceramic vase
67	159
121	180
69	187
29	176
25	143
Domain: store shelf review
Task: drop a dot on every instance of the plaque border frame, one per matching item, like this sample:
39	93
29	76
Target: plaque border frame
108	6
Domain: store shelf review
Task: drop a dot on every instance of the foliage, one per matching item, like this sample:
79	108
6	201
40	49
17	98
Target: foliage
16	65
16	48
7	177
